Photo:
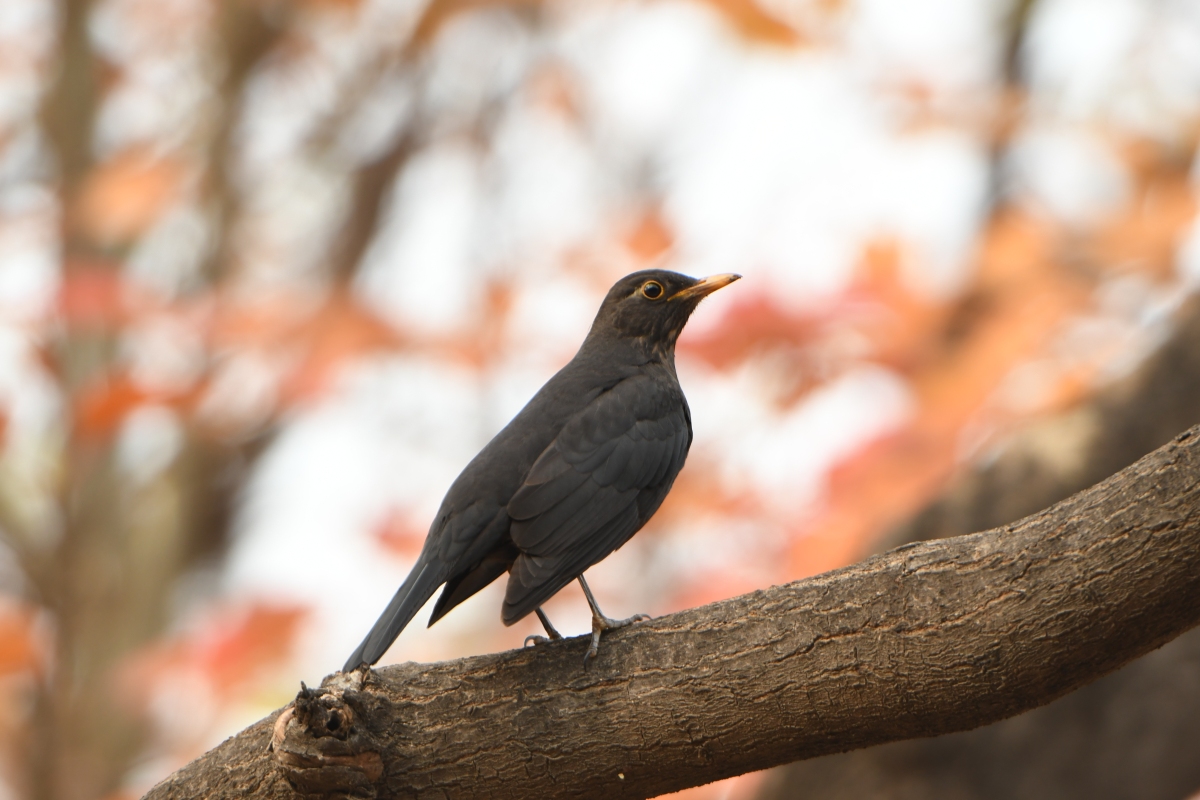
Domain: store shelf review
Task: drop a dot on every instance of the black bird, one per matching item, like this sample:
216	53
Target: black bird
572	477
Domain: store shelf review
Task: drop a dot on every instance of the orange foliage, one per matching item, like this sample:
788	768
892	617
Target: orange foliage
552	86
310	337
268	323
902	327
316	339
231	651
18	645
755	23
650	236
102	406
899	325
877	317
398	533
342	329
93	295
746	17
699	491
1024	297
483	343
1148	234
753	325
126	195
1025	290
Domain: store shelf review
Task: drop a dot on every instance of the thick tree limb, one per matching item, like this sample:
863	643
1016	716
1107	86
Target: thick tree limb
926	639
1129	736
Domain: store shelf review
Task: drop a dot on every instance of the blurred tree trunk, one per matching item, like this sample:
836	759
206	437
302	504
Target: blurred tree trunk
107	572
1130	735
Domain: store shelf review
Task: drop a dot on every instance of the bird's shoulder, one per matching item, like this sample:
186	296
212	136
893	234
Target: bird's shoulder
579	394
649	404
627	438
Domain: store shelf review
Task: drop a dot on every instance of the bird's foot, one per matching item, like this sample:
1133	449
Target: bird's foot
601	623
552	634
536	638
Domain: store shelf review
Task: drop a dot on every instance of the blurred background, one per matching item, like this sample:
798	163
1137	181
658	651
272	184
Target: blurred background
272	271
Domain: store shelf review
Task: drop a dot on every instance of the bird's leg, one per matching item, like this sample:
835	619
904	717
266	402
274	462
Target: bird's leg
602	623
552	634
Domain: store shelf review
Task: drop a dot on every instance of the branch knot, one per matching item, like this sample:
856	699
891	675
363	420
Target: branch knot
320	747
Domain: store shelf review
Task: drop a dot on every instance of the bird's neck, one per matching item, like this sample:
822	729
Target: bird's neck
630	350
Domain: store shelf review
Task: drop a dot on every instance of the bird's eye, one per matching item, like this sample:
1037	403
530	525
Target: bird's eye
652	290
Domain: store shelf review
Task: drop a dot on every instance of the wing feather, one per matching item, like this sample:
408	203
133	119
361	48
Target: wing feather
594	487
530	534
614	467
535	579
551	481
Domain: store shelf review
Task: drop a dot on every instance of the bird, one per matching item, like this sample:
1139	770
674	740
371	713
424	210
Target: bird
576	473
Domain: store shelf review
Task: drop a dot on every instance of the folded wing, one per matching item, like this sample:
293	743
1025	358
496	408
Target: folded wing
596	484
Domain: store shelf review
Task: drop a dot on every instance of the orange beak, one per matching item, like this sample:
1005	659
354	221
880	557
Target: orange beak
706	287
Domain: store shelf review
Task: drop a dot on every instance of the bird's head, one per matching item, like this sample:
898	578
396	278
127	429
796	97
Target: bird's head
653	305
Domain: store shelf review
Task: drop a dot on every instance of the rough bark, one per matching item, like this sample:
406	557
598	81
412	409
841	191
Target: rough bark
1129	736
927	639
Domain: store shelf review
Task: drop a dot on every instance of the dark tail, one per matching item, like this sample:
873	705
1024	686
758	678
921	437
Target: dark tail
418	587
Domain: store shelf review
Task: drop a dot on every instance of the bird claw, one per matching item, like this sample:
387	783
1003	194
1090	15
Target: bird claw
601	624
552	634
533	640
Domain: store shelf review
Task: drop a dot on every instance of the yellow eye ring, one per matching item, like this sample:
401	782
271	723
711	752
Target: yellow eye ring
652	290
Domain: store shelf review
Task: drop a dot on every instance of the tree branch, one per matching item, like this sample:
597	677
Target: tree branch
926	639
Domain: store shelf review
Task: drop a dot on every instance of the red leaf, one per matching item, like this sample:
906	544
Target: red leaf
753	325
101	407
92	295
398	533
124	196
1022	297
341	330
754	23
231	651
650	236
19	651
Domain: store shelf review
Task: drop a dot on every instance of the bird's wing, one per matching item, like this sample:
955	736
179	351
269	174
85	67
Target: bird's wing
594	486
